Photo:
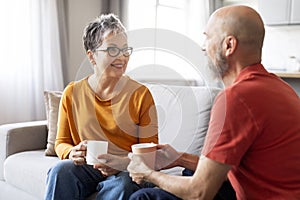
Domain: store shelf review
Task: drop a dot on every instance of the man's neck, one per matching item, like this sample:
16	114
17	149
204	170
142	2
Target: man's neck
229	77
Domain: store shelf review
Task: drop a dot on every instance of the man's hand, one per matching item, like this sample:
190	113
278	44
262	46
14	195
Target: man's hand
78	153
138	170
112	165
166	157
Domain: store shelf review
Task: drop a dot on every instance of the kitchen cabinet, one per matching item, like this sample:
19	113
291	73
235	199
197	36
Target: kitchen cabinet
279	12
295	14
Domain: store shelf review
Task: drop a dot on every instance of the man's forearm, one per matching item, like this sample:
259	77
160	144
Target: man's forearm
204	184
173	184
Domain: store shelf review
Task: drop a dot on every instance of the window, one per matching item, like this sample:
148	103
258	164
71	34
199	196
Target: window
251	3
165	34
30	59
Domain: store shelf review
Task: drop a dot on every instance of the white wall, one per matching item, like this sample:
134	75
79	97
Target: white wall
79	13
280	43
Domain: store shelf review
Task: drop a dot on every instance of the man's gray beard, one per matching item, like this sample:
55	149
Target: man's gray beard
220	68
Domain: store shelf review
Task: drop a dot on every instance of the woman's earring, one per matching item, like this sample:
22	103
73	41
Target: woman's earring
92	62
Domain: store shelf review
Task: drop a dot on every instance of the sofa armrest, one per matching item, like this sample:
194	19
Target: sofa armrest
24	136
18	137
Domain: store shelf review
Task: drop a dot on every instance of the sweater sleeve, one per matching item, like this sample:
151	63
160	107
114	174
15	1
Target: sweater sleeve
64	142
147	122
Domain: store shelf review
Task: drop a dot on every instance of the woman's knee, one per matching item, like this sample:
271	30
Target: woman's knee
127	182
124	177
120	184
62	168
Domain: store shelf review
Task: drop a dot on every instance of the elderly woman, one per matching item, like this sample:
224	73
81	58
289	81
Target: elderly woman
108	106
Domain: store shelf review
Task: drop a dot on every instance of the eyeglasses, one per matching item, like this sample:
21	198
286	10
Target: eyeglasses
115	51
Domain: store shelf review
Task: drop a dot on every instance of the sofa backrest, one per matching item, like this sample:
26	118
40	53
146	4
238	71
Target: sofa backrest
183	115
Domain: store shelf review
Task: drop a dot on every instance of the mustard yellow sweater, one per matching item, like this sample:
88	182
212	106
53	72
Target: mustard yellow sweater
129	118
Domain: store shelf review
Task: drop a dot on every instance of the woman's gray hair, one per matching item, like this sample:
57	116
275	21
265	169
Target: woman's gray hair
99	28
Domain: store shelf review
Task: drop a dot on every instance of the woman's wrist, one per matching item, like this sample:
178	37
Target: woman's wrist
180	161
188	161
125	162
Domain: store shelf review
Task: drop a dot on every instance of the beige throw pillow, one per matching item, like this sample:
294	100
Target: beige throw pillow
52	99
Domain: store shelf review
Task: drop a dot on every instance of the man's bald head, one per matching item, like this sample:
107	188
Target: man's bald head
242	22
234	39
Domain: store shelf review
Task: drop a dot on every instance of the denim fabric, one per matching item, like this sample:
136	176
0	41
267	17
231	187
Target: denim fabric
119	186
187	172
156	193
67	181
152	194
226	192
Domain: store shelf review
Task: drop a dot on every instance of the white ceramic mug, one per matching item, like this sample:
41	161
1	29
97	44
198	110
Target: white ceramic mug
147	151
94	149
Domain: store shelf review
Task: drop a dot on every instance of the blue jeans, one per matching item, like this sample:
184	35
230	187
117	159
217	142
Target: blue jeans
156	193
226	192
67	181
152	194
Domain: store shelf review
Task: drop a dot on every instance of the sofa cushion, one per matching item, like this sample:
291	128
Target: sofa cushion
18	137
28	171
183	115
52	99
9	192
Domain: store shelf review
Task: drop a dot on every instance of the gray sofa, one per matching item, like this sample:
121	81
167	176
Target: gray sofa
183	116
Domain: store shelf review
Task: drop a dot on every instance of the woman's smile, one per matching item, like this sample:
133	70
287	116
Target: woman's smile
118	65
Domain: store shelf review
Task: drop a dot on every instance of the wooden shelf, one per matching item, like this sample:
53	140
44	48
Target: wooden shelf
286	74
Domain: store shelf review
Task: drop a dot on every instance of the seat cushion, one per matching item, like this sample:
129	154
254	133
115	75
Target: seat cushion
28	171
9	192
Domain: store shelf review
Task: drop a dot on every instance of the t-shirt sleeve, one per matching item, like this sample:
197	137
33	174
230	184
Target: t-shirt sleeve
232	129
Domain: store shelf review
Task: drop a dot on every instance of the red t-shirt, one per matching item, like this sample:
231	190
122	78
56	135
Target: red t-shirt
255	128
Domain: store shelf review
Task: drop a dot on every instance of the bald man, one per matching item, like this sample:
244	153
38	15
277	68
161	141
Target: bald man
254	132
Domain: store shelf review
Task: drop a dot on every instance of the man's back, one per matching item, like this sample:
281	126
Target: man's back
261	134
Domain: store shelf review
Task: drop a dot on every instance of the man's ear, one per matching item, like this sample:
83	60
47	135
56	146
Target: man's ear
90	56
230	43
